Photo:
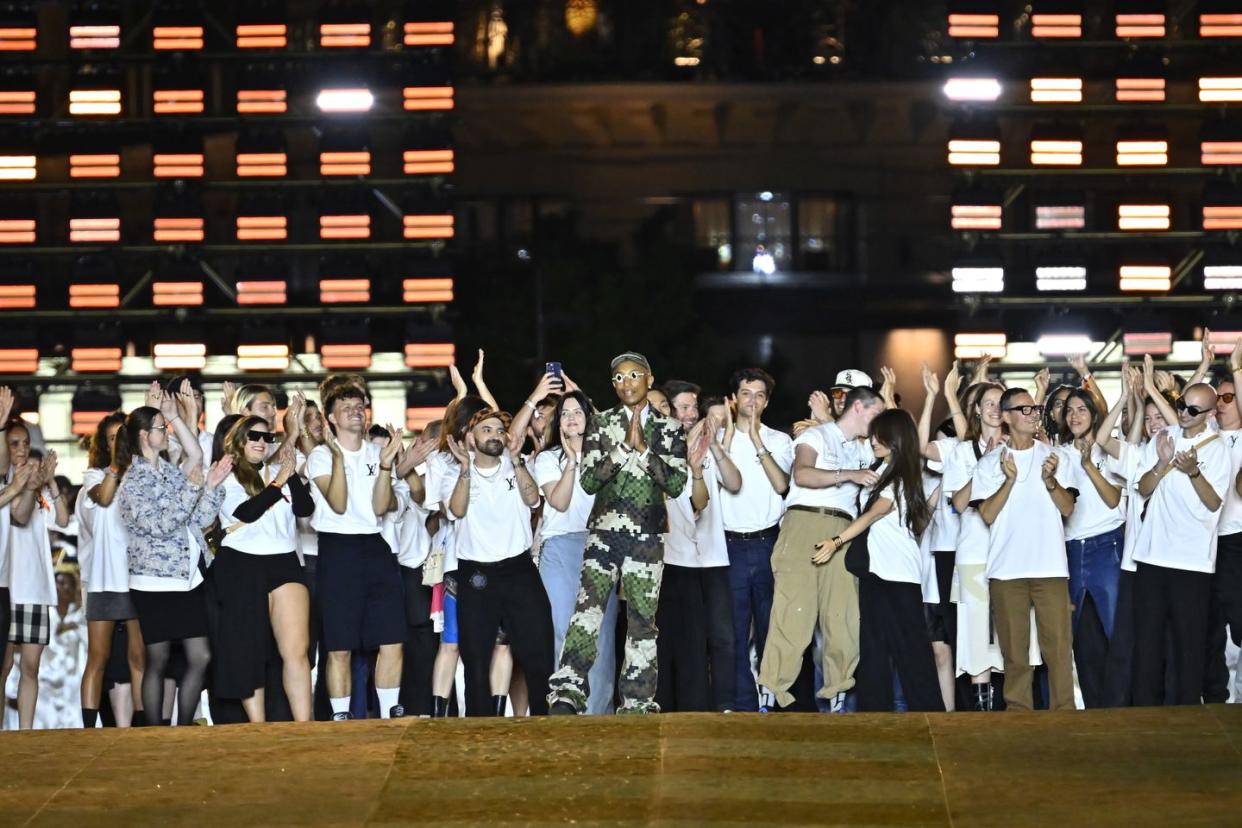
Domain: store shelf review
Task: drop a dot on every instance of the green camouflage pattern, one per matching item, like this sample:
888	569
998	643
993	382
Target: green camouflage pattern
637	561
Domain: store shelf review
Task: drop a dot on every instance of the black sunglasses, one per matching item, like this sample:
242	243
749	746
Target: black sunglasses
260	437
1193	410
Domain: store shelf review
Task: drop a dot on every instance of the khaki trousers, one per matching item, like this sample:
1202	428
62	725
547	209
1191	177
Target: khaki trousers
1012	601
806	593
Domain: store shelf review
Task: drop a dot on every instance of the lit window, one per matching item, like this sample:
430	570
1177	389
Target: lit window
178	164
95	37
429	355
979	345
17	168
1153	153
425	290
17	102
1062	277
184	356
94	295
1056	90
974	25
1140	344
94	230
94	102
17	231
764	232
427	162
1140	89
18	38
341	35
262	164
187	294
1222	277
1140	25
345	226
84	423
974	153
178	229
262	36
1060	217
1220	153
1218	90
177	37
1143	217
976	217
262	292
345	163
427	226
1063	344
978	279
345	100
178	101
334	291
1222	217
262	357
429	34
262	228
1056	25
18	297
1145	277
95	166
418	98
262	101
87	360
418	418
345	356
1056	152
1220	25
972	89
19	360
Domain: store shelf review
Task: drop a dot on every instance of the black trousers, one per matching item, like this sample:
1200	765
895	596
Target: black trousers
507	594
421	645
694	650
1224	611
892	635
1173	600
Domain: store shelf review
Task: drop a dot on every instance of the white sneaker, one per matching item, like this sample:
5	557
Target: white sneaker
767	700
838	703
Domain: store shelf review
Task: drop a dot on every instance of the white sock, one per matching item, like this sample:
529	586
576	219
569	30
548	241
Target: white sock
388	698
340	705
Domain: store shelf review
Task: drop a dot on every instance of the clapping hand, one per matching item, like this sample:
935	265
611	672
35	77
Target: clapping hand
219	471
1186	461
931	383
1009	466
1164	448
1049	470
389	452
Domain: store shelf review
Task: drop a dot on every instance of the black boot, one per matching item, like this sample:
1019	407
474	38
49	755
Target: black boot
991	697
439	707
499	705
982	696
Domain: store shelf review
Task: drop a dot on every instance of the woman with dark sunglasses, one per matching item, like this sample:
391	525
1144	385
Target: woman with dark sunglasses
259	582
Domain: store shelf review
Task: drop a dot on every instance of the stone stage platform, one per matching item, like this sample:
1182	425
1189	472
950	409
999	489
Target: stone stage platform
1174	767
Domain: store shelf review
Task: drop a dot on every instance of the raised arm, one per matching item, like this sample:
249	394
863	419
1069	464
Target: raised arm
931	385
1206	356
1087	381
952	384
6	411
480	384
1153	392
1104	435
333	485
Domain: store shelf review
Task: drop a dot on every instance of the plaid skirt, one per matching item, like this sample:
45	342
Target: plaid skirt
31	624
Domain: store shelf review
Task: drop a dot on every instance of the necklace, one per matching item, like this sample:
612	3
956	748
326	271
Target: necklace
1022	476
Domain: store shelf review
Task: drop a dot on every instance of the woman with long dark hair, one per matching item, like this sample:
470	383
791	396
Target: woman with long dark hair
259	581
164	510
892	630
104	557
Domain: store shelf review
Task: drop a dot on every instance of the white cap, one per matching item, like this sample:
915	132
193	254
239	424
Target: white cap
852	378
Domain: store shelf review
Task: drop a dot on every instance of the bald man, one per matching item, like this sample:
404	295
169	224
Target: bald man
1187	472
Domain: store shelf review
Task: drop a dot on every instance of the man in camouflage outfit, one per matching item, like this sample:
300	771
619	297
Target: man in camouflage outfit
633	457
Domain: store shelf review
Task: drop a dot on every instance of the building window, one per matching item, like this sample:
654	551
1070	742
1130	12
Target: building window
764	233
821	230
713	232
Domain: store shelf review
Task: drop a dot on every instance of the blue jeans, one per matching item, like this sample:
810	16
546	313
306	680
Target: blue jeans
750	578
560	569
1095	570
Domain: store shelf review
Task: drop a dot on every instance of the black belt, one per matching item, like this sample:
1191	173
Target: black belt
824	510
503	562
771	532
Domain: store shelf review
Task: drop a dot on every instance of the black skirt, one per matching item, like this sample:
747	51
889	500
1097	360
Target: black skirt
170	616
242	642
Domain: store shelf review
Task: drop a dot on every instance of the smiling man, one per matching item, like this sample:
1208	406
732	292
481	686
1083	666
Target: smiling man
633	457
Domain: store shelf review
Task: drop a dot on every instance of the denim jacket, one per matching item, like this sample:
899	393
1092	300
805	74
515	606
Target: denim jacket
164	513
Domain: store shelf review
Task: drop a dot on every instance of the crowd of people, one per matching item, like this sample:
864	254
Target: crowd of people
664	551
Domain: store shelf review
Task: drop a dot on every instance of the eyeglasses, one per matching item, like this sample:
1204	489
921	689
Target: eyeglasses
1227	397
158	428
1193	410
1026	410
261	437
632	376
839	393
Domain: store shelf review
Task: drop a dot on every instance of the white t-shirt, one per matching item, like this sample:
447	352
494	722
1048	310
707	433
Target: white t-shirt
1129	458
547	469
942	533
1180	532
4	551
756	506
414	542
692	540
496	525
362	469
1091	516
1027	539
972	532
832	451
892	548
103	543
274	533
1231	512
308	539
391	522
31	576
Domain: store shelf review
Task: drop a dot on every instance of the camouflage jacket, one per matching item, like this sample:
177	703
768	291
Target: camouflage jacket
629	487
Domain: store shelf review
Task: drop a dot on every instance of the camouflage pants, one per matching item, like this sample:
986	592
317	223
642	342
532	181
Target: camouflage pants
637	561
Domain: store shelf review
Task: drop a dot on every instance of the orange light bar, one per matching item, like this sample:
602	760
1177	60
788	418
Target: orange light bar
183	355
417	419
96	230
429	355
429	34
255	228
178	229
19	360
94	37
1056	90
1220	153
178	101
94	166
262	101
1145	277
177	37
416	291
1220	25
13	297
271	292
13	39
177	293
1142	153
345	227
1222	217
1065	153
975	217
1056	25
262	36
17	231
1140	25
974	25
1143	216
335	291
427	162
345	356
18	168
337	35
974	153
427	226
14	102
345	163
95	359
267	164
1140	89
179	165
85	422
94	102
94	296
427	97
262	357
1217	90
